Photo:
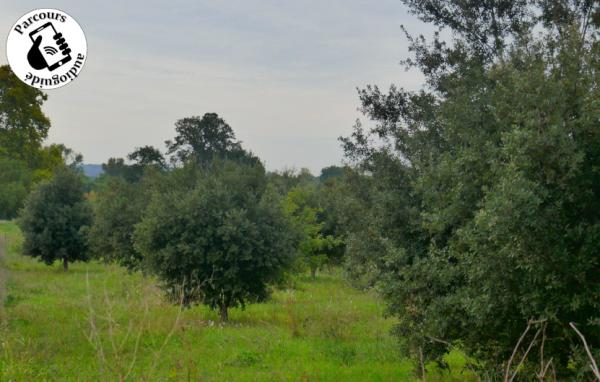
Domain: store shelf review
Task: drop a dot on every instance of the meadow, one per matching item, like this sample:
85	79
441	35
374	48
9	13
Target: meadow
99	322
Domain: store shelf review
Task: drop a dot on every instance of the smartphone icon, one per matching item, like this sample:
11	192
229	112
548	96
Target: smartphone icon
52	54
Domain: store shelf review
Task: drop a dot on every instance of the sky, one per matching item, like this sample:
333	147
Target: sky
283	74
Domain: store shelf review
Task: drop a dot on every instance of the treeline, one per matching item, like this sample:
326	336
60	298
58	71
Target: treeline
472	206
205	218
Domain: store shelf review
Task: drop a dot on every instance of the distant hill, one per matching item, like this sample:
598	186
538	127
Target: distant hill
92	170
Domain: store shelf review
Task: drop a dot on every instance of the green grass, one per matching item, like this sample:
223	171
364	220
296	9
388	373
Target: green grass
98	322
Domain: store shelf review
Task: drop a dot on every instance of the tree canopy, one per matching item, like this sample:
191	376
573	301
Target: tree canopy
201	139
117	208
23	124
55	218
217	235
23	128
482	188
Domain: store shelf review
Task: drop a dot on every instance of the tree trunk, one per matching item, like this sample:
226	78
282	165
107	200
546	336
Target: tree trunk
223	313
313	273
65	264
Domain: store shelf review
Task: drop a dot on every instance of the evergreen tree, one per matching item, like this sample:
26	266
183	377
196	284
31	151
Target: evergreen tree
217	234
55	218
484	197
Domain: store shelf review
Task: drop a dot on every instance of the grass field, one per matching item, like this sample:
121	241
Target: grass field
99	323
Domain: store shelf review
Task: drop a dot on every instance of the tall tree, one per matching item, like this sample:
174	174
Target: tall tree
148	156
200	139
484	194
23	125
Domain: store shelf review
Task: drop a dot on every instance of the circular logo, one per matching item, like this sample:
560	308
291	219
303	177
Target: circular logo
46	48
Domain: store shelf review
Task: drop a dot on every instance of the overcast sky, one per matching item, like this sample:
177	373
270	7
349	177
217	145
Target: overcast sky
283	74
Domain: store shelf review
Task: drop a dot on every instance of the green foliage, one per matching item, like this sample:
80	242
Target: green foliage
15	180
120	197
340	211
218	233
331	172
116	167
483	197
148	156
301	206
23	125
202	139
142	159
55	218
286	179
117	208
